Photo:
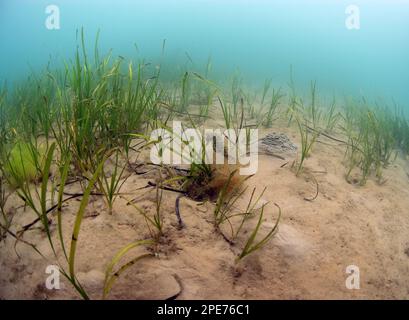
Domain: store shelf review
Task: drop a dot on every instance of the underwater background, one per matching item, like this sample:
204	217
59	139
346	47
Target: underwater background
257	146
258	39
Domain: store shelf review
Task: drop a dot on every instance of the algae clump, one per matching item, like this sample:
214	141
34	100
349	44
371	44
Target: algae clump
22	164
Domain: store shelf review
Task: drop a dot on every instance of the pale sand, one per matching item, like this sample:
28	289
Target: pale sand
346	225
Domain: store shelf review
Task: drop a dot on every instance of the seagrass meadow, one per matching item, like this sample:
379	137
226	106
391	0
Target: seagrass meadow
102	197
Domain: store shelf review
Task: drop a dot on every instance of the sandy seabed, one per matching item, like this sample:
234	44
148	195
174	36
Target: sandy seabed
346	224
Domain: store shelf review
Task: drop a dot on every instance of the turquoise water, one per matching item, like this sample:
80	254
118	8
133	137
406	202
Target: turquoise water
258	39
